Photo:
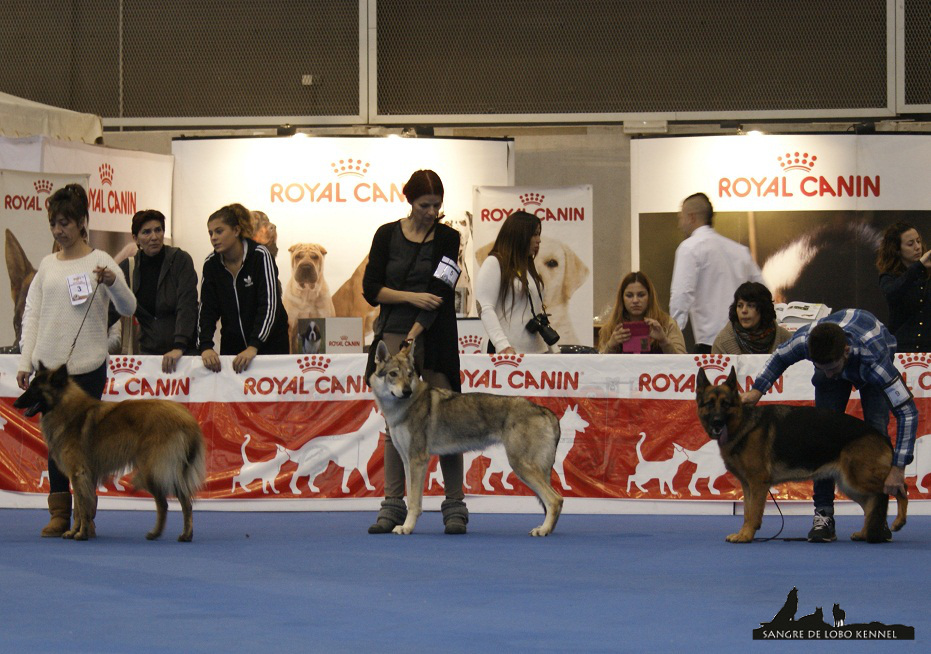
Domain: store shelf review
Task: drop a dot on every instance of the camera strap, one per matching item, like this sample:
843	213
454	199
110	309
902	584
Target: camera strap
533	312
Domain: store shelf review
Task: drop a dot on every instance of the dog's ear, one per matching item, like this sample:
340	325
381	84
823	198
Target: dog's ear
410	350
701	381
322	249
41	366
17	264
575	274
59	376
732	378
381	352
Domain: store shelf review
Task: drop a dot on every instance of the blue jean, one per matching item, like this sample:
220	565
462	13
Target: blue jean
834	394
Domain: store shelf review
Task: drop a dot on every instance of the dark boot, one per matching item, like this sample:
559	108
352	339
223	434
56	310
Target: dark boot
455	516
59	506
393	512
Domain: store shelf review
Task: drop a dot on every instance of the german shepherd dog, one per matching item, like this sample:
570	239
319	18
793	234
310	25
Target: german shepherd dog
90	440
771	444
423	420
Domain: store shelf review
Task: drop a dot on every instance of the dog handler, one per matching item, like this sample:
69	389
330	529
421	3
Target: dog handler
849	348
406	277
61	296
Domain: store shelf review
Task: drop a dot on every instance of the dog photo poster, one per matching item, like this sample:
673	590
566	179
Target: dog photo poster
565	259
27	240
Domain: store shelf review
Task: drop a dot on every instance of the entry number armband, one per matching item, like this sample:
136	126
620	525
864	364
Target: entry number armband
897	393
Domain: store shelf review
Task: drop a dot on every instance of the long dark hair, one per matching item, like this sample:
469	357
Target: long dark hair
422	182
889	255
70	202
620	314
511	249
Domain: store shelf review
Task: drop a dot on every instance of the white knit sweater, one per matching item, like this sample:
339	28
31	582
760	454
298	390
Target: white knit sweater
50	321
505	324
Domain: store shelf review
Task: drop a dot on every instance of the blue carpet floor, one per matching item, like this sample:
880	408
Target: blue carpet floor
317	582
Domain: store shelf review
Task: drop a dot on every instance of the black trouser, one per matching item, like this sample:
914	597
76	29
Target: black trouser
93	383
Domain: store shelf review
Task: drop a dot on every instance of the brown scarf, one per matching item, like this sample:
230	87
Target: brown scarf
755	341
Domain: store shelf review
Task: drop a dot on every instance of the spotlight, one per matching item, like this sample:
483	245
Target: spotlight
287	130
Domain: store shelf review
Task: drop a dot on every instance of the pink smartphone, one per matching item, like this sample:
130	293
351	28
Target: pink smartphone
639	338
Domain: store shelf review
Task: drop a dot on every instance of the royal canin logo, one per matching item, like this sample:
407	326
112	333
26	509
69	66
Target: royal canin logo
344	189
713	361
106	174
512	360
16	202
350	167
110	200
124	364
470	344
506	373
42	186
141	386
531	199
916	370
787	186
315	363
532	202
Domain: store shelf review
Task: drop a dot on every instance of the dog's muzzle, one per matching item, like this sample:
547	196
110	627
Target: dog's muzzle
30	409
718	431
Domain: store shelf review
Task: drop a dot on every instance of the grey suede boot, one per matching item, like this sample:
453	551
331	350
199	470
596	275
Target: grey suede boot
455	516
393	512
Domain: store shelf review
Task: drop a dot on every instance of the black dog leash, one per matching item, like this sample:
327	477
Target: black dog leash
81	326
781	526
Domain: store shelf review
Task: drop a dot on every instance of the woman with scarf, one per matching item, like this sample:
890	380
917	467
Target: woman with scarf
752	328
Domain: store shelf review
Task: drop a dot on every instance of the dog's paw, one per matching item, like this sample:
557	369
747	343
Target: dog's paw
69	534
153	535
185	538
404	530
739	537
539	531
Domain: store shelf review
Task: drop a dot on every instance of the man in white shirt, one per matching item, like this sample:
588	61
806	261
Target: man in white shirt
707	271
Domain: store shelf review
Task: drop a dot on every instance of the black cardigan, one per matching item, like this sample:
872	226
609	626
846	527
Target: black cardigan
441	341
250	311
909	299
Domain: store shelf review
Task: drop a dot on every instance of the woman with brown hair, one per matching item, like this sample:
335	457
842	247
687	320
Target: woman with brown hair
240	288
636	302
904	265
752	328
509	291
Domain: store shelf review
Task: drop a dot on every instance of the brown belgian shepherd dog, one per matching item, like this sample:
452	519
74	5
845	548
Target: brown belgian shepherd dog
90	440
767	445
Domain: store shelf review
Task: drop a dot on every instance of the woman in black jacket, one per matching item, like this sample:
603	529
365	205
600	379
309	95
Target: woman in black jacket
903	265
415	305
165	285
239	287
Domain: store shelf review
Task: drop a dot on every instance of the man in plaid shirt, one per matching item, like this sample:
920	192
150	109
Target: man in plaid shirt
848	348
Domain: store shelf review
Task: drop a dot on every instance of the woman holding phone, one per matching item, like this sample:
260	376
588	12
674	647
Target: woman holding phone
636	303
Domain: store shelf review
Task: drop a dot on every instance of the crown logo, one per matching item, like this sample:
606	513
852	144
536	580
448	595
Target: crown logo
42	186
797	161
351	167
106	174
512	360
125	364
528	199
470	344
713	361
917	360
315	362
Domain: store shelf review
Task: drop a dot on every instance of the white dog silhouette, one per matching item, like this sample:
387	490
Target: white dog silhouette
710	466
350	451
921	464
267	471
663	471
570	424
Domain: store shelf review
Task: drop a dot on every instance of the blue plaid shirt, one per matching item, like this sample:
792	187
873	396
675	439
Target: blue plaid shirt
871	362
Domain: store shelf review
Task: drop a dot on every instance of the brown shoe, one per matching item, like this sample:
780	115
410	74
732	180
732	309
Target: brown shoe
59	506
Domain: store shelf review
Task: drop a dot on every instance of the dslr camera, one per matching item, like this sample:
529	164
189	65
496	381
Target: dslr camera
541	323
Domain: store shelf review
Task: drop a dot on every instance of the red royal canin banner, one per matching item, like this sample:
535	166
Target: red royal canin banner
306	427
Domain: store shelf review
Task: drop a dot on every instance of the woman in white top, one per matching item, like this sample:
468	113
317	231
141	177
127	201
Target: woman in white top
60	297
508	289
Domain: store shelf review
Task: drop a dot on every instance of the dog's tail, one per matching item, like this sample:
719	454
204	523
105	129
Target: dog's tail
193	469
901	502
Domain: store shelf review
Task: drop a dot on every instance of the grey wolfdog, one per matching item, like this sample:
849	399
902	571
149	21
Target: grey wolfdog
423	420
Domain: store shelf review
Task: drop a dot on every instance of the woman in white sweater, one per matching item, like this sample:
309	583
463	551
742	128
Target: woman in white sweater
508	289
59	297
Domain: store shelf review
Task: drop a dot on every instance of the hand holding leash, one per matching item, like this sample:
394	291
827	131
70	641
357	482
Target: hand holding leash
751	397
105	275
22	379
